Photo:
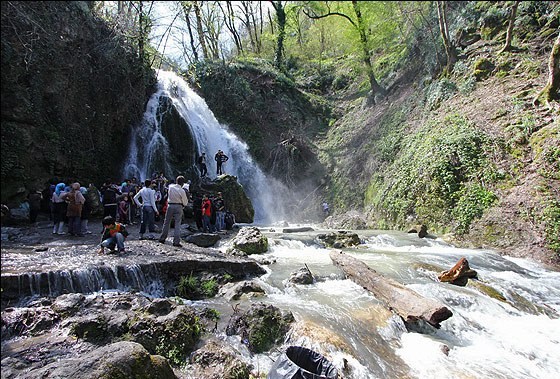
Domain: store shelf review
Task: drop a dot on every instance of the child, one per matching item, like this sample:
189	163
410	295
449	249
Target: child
123	210
114	233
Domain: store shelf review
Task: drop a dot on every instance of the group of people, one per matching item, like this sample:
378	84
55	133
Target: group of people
69	204
155	198
220	159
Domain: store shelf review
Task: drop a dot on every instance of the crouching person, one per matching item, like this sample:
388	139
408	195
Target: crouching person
114	234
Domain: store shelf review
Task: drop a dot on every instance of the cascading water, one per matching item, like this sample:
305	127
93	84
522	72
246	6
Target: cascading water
149	148
515	336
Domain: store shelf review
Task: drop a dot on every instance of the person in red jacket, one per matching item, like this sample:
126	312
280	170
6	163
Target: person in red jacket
206	214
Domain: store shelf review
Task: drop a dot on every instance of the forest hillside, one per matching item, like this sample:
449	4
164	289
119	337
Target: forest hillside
392	113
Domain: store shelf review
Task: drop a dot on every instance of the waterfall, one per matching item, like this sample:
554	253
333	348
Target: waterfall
149	148
91	279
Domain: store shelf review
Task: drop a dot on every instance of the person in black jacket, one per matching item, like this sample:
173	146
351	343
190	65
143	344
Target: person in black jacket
202	165
220	159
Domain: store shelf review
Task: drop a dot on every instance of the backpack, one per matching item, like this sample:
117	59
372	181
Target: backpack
109	196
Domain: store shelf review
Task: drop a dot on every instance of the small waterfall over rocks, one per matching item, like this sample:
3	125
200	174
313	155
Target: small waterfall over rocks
150	150
91	279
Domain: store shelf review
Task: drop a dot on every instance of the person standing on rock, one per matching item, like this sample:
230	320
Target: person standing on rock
206	214
202	165
176	201
75	201
59	209
149	208
220	206
34	198
220	159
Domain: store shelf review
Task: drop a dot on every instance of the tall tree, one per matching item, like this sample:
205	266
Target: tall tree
200	30
229	21
509	34
450	50
281	21
551	91
187	6
365	50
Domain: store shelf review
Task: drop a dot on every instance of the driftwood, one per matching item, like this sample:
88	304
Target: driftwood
458	274
408	304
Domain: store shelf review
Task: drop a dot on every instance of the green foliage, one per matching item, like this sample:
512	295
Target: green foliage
439	91
193	288
179	338
440	167
551	218
483	68
473	200
187	287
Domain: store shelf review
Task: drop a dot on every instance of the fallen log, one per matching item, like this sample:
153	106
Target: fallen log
458	274
408	304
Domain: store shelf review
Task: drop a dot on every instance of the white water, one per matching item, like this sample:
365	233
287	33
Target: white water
149	149
487	338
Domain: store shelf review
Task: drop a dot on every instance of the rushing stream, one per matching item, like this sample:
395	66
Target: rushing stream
485	337
517	336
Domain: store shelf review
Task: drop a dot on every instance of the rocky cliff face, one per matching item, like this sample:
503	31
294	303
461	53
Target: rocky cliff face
71	91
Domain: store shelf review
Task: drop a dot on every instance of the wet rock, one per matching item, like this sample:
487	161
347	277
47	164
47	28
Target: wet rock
340	239
68	304
203	239
422	230
251	241
234	291
260	327
117	360
160	307
216	360
302	276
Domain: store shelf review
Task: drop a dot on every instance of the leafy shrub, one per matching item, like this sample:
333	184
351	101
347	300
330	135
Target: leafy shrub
551	217
473	200
439	91
439	168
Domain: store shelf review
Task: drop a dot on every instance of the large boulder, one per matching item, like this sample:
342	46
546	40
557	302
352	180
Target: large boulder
338	240
234	196
203	239
250	240
117	360
261	326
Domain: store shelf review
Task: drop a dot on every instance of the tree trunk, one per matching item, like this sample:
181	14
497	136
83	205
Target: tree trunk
509	34
409	305
281	20
552	89
187	11
229	20
366	56
444	29
199	29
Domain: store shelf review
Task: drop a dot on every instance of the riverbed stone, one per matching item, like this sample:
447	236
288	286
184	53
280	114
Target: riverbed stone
118	360
261	326
251	241
339	239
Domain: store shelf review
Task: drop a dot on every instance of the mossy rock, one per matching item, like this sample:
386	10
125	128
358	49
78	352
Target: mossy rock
483	68
487	290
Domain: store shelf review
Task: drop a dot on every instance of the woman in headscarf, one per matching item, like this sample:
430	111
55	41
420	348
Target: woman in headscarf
59	209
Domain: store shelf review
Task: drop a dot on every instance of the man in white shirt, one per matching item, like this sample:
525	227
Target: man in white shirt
149	208
176	201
